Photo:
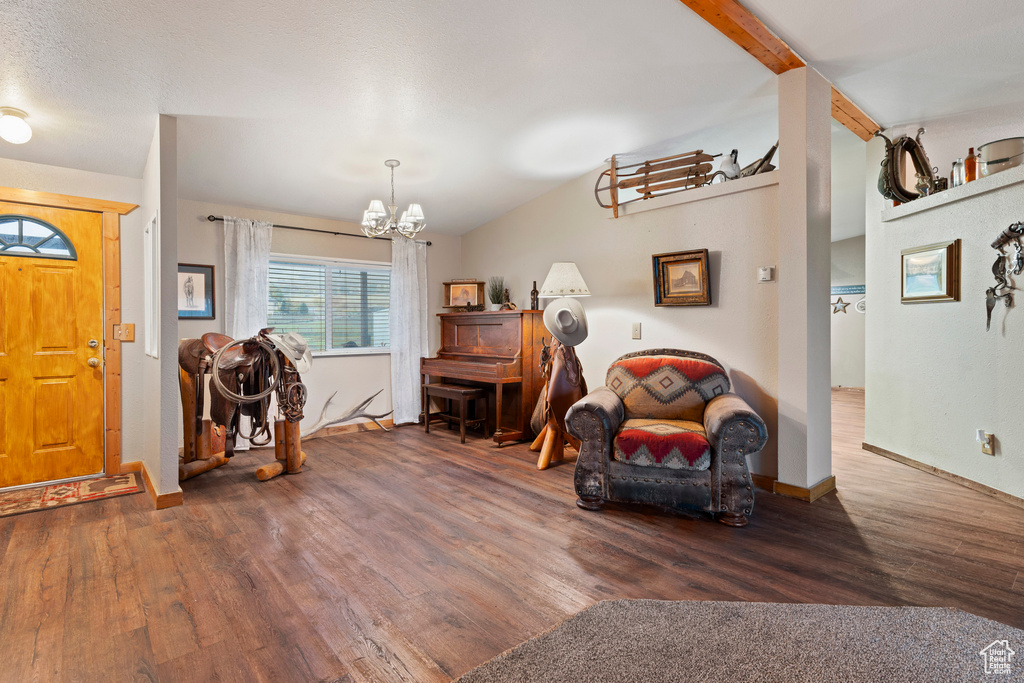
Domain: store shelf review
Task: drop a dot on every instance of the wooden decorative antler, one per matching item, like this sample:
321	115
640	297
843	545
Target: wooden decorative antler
355	412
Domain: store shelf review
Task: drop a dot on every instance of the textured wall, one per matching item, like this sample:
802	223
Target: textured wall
934	375
354	377
614	256
142	439
848	328
848	170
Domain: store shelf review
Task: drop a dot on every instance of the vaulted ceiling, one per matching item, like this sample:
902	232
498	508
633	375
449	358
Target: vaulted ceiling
295	106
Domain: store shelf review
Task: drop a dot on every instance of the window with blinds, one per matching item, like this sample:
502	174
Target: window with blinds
335	306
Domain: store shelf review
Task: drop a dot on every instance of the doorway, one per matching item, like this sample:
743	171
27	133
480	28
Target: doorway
55	338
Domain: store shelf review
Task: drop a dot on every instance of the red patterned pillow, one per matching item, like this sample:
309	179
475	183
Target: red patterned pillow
670	387
674	444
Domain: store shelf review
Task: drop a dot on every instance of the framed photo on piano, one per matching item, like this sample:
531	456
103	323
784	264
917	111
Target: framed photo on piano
462	293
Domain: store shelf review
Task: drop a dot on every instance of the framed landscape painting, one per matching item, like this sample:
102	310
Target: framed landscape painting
930	273
681	278
195	292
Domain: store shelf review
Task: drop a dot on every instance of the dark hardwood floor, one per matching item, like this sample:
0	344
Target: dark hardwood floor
405	557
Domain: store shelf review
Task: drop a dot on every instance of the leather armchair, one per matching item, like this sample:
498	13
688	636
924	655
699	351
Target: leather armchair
667	431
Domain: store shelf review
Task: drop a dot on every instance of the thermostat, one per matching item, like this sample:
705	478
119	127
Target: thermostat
766	274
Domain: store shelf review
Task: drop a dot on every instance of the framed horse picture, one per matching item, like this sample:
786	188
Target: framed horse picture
195	292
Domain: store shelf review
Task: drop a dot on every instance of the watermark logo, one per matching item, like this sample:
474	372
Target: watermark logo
998	657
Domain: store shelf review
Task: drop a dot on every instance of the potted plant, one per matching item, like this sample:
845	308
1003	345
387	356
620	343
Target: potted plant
496	292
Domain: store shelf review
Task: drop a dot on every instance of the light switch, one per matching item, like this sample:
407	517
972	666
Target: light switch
124	332
636	330
988	442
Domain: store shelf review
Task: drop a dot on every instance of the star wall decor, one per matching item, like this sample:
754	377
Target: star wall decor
839	306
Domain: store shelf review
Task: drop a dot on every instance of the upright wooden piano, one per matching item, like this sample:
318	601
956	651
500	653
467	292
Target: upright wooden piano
500	350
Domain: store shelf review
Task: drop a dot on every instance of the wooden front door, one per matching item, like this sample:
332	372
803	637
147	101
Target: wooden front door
51	344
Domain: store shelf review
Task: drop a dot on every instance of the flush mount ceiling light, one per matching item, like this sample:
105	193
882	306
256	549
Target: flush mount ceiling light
13	127
376	222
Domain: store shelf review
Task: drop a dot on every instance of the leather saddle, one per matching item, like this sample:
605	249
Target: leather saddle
238	372
239	356
565	385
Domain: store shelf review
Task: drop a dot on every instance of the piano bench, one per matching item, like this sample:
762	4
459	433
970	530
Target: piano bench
452	393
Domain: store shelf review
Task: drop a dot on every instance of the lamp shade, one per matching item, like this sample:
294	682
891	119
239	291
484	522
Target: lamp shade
564	279
376	208
13	127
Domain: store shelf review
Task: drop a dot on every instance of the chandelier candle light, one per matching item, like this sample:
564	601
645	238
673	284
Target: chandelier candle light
376	222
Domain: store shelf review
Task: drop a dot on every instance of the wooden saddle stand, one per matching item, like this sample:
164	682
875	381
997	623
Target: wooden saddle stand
565	386
243	375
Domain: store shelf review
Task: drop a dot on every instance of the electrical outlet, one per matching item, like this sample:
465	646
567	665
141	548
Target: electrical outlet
636	330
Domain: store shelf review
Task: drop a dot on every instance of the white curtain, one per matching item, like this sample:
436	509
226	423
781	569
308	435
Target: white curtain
409	318
246	285
246	275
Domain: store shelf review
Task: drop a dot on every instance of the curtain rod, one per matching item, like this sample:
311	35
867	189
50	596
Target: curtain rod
213	218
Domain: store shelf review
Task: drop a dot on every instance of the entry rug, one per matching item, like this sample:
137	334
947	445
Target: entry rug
57	495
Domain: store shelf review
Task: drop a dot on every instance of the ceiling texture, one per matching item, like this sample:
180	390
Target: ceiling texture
295	106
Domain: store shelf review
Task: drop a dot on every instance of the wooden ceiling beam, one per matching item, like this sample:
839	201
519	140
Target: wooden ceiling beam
747	31
850	115
740	26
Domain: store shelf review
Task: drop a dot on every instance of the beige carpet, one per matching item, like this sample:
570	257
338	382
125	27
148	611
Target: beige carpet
653	641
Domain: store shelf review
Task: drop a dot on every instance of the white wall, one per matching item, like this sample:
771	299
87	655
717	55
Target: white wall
354	377
848	328
135	399
170	398
614	256
933	374
848	172
145	433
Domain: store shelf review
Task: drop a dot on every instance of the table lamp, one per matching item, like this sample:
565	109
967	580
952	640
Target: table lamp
564	317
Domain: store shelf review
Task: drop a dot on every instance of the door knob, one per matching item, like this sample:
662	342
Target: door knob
94	362
93	343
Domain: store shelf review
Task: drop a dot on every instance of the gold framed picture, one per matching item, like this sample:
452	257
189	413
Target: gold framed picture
930	273
462	293
681	278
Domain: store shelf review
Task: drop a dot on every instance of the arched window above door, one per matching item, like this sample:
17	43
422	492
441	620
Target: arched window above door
31	237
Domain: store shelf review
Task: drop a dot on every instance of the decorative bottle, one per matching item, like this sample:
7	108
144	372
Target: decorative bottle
534	298
957	177
971	166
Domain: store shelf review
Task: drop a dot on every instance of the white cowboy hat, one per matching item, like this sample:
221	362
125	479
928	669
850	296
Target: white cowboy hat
566	320
295	348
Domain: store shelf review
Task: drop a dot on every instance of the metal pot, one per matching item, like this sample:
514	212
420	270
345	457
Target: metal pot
1002	154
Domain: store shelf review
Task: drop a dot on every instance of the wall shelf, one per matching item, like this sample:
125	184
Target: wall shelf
956	194
699	194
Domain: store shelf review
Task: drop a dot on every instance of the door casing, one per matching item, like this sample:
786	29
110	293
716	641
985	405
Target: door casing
111	212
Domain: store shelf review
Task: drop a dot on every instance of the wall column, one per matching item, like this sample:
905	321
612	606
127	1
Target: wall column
805	151
170	401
